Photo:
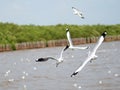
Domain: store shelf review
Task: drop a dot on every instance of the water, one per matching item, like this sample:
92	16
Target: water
19	71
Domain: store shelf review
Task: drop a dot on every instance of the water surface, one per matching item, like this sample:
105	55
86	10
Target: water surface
19	71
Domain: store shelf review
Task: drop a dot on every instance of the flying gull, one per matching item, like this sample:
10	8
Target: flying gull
91	55
58	60
77	12
70	42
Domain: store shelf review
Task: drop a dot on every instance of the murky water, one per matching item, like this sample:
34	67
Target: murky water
19	71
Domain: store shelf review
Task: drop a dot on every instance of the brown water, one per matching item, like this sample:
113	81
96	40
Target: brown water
19	71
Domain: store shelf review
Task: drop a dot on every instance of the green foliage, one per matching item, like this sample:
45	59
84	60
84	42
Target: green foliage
12	33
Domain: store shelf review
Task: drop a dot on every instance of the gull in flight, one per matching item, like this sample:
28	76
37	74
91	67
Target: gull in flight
70	42
91	55
58	61
77	12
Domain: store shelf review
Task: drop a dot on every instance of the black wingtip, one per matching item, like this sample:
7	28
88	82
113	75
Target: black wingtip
41	59
72	7
66	47
83	17
75	73
67	29
104	33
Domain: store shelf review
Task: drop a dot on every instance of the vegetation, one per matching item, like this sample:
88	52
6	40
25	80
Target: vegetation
12	33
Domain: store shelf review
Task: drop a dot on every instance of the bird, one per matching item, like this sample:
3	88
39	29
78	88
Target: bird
91	55
70	42
58	60
77	12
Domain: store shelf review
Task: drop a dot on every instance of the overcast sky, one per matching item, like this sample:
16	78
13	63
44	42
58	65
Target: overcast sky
52	12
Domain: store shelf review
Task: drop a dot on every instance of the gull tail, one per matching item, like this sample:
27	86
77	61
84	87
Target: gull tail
57	64
75	73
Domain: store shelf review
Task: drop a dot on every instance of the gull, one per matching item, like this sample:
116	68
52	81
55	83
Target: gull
58	60
91	55
70	42
77	12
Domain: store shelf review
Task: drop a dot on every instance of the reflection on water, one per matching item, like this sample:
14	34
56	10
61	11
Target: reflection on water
19	71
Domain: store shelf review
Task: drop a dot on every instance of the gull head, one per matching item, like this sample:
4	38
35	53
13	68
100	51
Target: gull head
67	29
104	33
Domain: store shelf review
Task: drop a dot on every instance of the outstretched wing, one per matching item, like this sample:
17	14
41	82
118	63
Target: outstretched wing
61	54
74	47
69	37
81	67
75	10
101	39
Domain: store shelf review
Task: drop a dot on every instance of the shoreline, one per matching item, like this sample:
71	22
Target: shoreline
53	43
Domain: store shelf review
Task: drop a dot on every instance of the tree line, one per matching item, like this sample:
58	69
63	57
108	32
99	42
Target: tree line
11	33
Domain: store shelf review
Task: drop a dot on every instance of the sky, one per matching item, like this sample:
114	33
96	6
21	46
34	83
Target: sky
52	12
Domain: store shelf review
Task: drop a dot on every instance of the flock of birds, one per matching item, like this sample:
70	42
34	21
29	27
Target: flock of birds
91	55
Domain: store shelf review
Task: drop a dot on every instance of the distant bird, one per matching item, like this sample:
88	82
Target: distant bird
91	55
70	42
58	61
77	12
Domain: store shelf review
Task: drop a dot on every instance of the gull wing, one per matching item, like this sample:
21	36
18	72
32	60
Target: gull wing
60	59
41	59
101	39
69	37
79	47
47	58
61	54
75	10
44	59
82	66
